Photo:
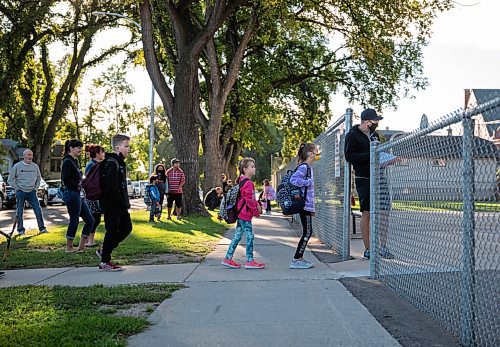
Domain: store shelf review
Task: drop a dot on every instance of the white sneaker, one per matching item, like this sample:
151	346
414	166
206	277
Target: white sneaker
300	264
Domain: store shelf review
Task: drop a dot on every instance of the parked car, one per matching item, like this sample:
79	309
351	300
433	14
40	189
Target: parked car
3	191
143	185
137	189
42	194
130	189
54	185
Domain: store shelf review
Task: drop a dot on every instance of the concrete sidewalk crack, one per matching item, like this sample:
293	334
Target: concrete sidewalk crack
57	274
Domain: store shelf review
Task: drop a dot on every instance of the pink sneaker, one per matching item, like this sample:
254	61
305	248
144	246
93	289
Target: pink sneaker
254	265
230	263
109	267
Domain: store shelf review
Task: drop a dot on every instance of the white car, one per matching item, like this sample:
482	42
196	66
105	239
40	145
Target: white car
143	185
53	186
137	189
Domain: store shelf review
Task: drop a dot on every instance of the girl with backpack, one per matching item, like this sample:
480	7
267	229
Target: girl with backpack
74	196
96	154
303	177
248	207
269	195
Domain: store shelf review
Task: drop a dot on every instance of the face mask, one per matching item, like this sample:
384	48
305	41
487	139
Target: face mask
372	127
317	157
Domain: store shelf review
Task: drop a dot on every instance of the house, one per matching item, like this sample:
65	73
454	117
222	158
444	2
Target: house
431	169
11	152
487	124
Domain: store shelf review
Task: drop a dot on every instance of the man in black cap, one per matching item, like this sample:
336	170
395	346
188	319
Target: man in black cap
357	152
176	179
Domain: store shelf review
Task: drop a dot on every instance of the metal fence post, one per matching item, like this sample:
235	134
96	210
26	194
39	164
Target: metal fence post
346	235
468	223
373	212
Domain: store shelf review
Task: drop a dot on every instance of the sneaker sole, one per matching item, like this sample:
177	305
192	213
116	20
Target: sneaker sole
254	267
111	270
230	266
300	268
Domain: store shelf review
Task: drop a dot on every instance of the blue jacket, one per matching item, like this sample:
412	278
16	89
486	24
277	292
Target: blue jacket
154	192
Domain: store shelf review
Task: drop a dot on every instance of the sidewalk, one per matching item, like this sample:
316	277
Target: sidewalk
275	306
271	307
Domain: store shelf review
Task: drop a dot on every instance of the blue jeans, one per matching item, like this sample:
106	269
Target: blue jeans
242	226
30	197
77	207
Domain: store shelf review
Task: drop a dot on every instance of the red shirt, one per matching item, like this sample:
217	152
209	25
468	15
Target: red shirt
175	179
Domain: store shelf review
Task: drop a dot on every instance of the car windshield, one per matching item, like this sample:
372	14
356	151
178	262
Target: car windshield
54	184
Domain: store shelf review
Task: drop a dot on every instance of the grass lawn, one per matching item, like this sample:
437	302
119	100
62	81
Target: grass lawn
444	206
187	240
77	316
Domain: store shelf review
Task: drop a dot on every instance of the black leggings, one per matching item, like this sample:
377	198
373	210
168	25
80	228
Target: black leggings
97	221
306	220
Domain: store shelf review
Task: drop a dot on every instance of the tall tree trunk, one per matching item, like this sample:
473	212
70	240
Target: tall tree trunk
183	125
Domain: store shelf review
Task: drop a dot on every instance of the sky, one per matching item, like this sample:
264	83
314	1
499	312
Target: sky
463	53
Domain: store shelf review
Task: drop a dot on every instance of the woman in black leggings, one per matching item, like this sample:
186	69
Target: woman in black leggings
303	177
161	172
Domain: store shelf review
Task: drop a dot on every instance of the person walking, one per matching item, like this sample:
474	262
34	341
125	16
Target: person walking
175	181
357	152
74	196
24	178
269	195
96	155
114	201
248	207
161	172
303	177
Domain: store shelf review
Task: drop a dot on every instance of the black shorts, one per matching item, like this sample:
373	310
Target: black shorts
363	189
174	197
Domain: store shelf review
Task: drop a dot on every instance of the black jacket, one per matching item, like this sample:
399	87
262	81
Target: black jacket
212	200
357	150
71	174
114	184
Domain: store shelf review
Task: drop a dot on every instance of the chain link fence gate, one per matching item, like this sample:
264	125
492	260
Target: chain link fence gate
332	183
435	231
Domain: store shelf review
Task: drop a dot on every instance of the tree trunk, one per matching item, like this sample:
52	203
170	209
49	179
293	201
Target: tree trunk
183	125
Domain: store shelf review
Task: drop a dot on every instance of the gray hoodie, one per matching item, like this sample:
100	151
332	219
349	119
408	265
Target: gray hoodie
25	177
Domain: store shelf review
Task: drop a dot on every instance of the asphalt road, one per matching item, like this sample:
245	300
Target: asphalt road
55	214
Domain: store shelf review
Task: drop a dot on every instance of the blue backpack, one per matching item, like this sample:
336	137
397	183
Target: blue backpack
290	197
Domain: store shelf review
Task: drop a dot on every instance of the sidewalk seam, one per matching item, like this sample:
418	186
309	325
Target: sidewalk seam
57	274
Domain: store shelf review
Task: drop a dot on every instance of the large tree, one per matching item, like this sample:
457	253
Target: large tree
45	89
369	50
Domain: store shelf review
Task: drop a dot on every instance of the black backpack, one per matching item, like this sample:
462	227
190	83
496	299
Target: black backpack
289	196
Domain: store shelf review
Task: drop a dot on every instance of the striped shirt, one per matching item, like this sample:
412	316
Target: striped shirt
175	179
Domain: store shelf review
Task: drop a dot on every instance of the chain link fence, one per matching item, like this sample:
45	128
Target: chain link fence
332	188
434	221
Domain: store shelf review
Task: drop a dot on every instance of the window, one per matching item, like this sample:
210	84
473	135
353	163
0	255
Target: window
439	162
55	165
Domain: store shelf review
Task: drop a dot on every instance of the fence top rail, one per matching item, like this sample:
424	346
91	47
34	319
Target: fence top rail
335	125
447	120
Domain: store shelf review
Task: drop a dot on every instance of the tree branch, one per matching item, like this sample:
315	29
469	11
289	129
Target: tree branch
152	64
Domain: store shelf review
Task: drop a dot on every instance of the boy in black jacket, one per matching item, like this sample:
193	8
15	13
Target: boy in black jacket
114	201
357	152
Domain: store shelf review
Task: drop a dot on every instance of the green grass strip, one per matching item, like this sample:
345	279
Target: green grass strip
73	316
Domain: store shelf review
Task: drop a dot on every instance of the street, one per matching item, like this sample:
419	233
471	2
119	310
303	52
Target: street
52	214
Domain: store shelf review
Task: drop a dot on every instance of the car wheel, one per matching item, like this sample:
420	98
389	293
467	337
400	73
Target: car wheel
45	200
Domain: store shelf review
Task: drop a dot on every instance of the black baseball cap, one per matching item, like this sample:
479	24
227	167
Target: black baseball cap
173	161
370	114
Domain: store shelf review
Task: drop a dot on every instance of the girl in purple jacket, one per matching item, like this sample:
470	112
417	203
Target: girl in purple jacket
303	177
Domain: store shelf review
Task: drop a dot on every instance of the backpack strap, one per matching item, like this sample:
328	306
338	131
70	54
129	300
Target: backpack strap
308	174
241	184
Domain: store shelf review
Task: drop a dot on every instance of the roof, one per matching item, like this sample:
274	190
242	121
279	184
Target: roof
445	147
483	96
